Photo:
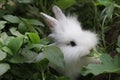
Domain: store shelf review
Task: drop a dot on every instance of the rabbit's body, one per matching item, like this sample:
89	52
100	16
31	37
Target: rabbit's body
74	42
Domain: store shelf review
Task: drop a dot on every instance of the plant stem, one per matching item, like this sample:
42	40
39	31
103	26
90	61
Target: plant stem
95	11
43	75
109	76
102	31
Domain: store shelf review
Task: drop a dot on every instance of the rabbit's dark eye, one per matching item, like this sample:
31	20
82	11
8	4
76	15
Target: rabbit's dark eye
72	43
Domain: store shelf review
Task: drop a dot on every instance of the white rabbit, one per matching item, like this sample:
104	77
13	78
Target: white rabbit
74	42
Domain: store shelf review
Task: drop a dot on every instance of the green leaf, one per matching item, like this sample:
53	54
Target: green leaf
6	39
15	32
17	59
34	37
2	24
15	44
54	55
36	47
2	55
4	67
63	4
4	35
108	65
35	22
106	59
1	42
46	41
12	19
117	60
29	55
7	50
22	28
28	25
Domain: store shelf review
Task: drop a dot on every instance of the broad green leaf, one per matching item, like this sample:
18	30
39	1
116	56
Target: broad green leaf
63	4
1	42
11	18
46	41
22	28
7	39
29	55
4	67
15	44
4	35
34	37
117	60
2	24
35	22
106	59
7	50
28	25
54	55
17	59
2	55
3	39
15	32
36	47
108	65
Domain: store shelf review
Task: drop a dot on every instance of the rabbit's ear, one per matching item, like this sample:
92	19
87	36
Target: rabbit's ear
50	21
58	13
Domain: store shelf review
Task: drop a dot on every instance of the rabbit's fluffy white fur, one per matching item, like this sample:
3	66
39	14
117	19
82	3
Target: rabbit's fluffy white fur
74	42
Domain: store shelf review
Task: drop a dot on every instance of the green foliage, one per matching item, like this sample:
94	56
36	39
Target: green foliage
4	67
11	18
108	65
22	45
2	55
34	37
2	24
15	44
67	3
54	55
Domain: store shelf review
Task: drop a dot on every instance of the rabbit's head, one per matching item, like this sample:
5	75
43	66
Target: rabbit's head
68	34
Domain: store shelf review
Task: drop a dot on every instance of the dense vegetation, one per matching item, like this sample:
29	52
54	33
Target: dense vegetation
23	35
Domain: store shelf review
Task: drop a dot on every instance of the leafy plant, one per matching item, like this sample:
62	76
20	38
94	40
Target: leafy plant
108	65
17	48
